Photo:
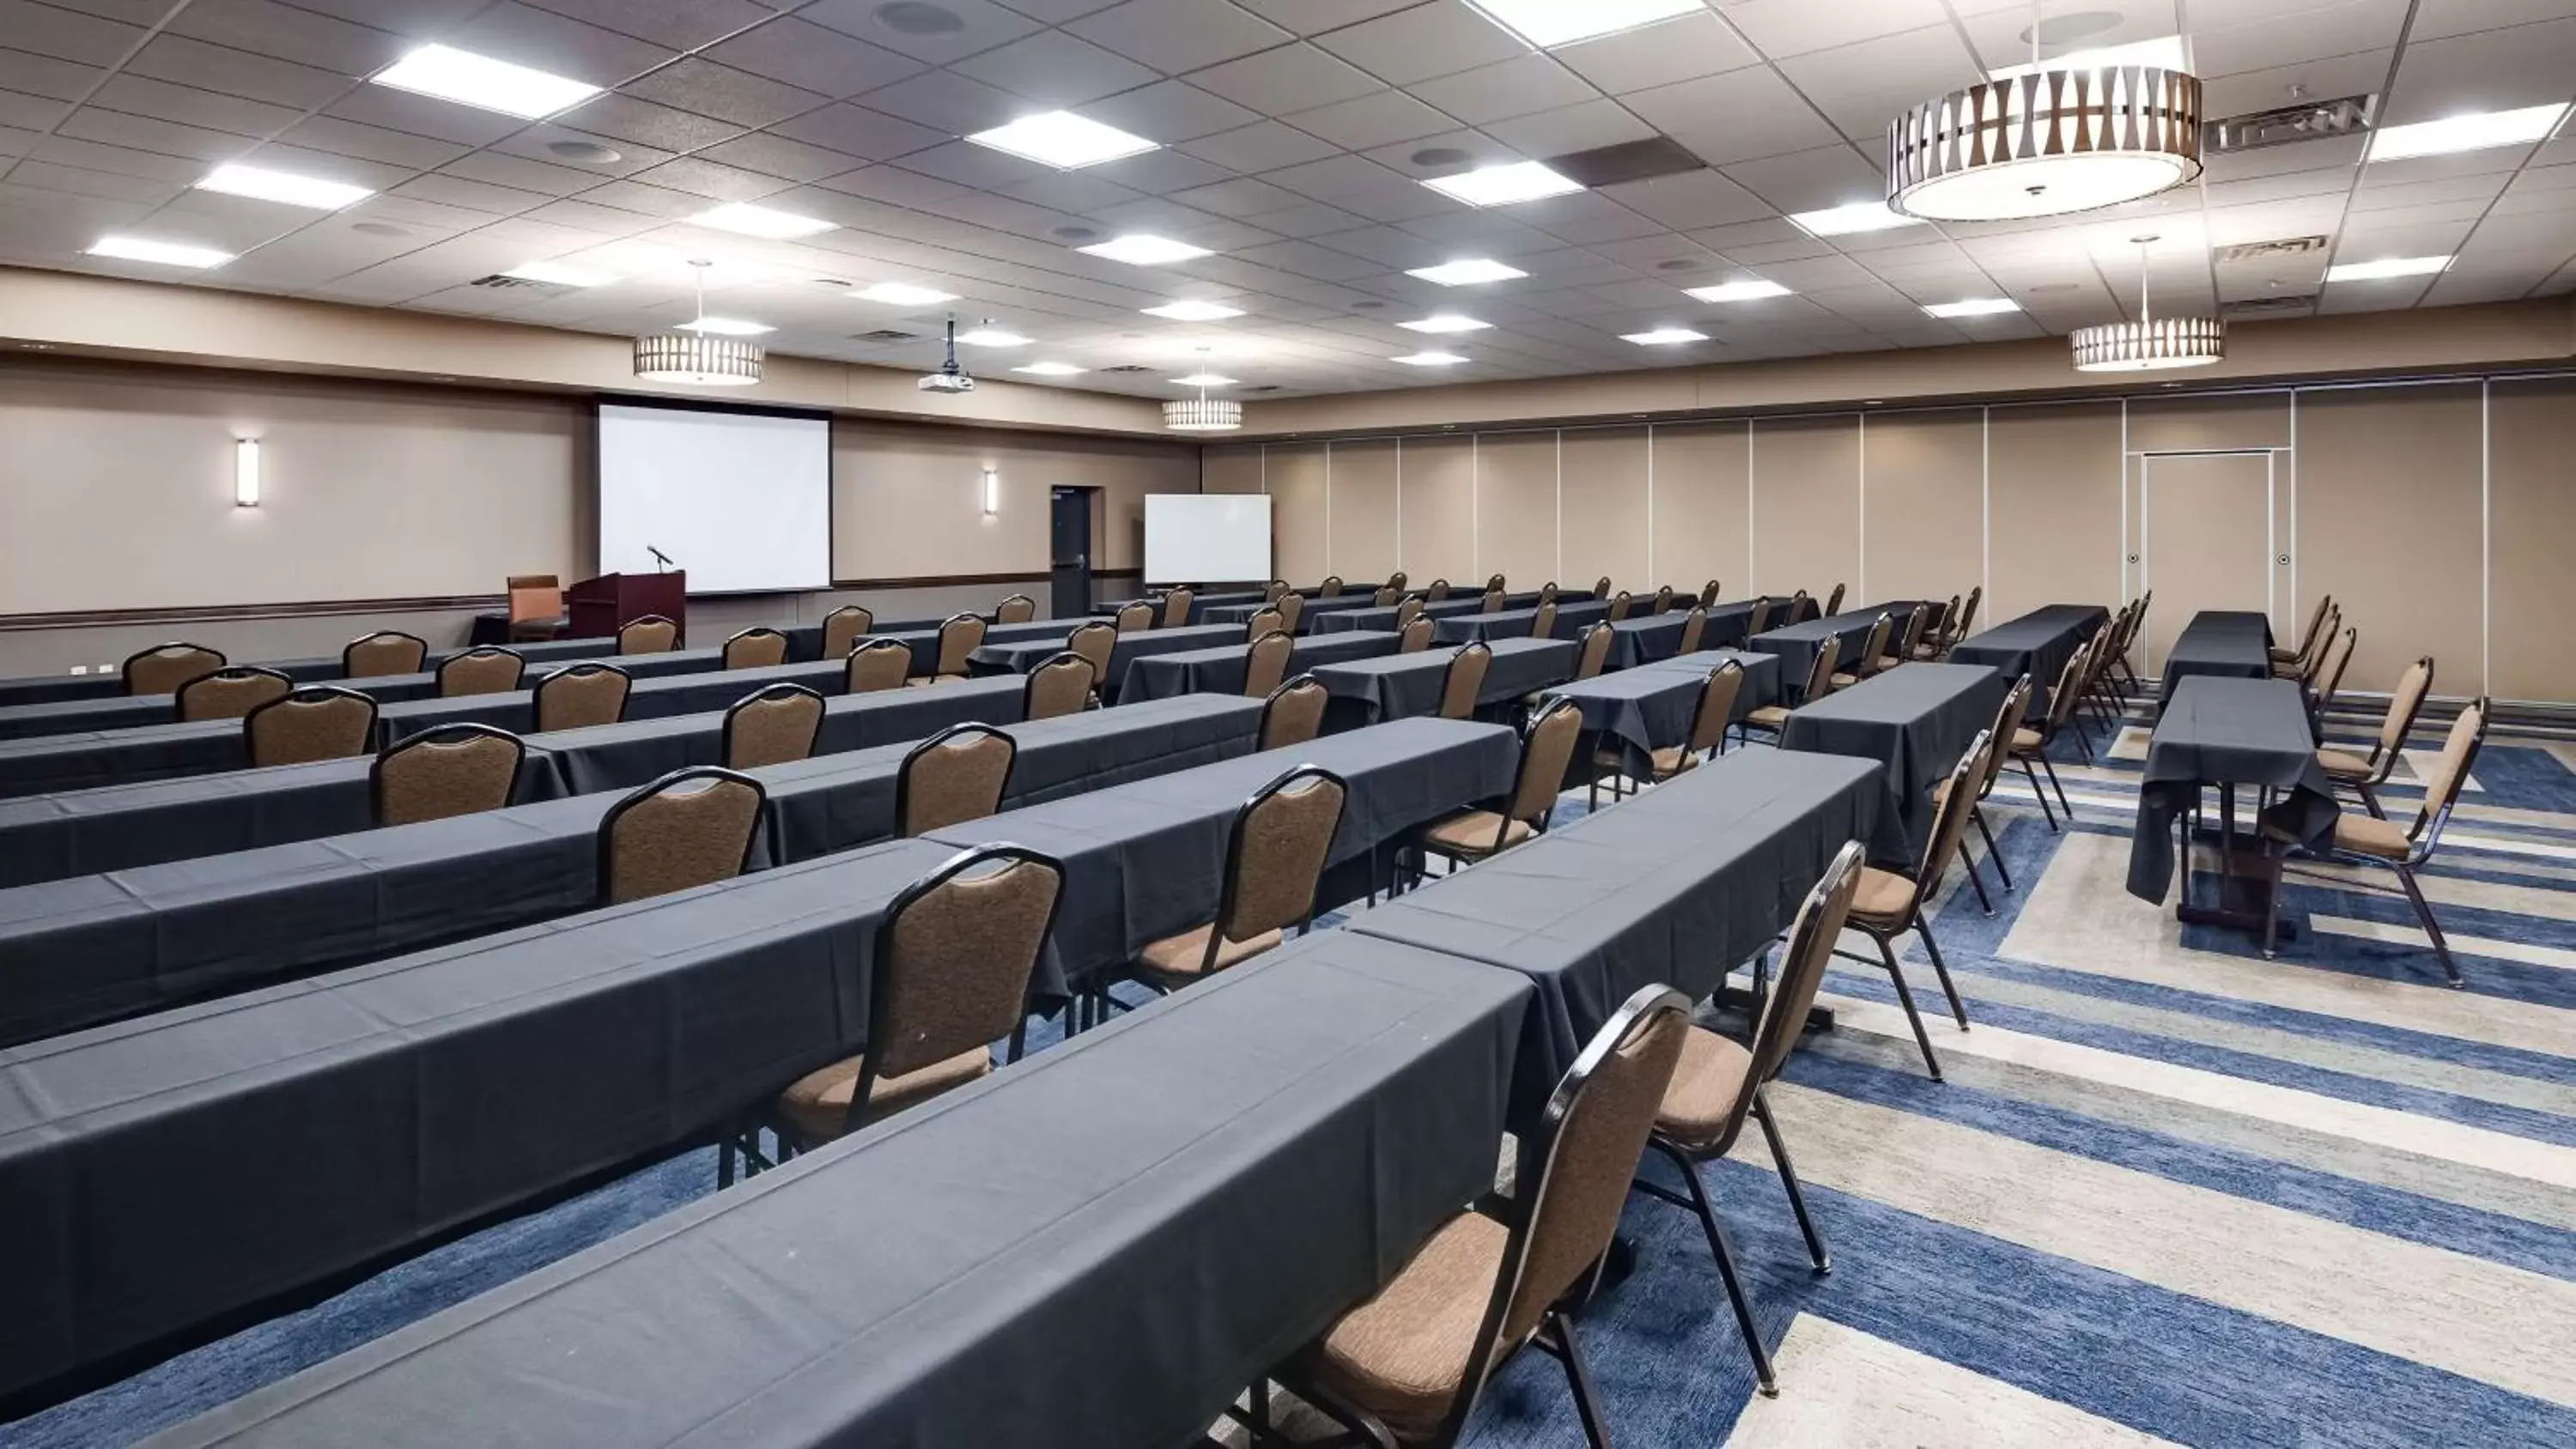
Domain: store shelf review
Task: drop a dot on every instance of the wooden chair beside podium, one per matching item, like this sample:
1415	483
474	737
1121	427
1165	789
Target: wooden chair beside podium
600	607
536	607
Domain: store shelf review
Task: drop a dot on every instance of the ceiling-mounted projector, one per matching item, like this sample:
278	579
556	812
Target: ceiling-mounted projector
950	377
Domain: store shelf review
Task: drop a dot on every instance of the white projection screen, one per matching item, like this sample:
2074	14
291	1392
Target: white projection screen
743	501
1193	538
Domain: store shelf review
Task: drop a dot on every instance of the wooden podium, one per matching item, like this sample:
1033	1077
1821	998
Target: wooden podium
598	608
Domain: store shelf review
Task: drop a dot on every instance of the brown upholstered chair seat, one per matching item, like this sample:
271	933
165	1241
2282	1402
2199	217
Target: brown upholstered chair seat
1666	762
1184	954
2283	656
1472	833
1890	661
1402	1355
2025	739
1846	681
2341	766
924	681
817	1106
1699	1106
2364	835
1884	899
1768	717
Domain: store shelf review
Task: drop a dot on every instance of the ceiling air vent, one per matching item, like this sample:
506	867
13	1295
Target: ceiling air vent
2255	309
1628	161
1128	367
1260	387
2268	251
885	334
2306	121
500	283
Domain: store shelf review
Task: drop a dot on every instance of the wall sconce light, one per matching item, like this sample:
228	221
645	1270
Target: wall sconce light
992	491
246	473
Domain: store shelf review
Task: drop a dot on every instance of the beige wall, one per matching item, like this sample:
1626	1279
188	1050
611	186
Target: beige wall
2531	540
907	499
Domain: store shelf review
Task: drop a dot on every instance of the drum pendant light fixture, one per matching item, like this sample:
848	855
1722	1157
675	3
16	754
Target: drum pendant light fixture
1202	414
2151	343
698	358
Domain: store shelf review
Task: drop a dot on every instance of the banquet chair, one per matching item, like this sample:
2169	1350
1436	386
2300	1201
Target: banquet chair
1664	599
316	722
1294	713
2008	718
1396	581
1063	685
1834	602
1136	618
579	695
1694	629
1775	717
1272	591
1463	683
771	726
231	692
1493	603
1274	859
757	647
1263	621
1494	585
2376	840
2330	667
1543	620
651	634
1706	741
1757	620
959	636
1968	611
1176	607
1717	1083
448	770
1406	612
844	627
1709	593
950	976
1887	904
1601	587
1873	651
1386	597
1097	643
877	664
1332	587
1407	1366
1017	609
1798	607
1265	664
692	827
1467	836
1907	639
482	669
956	775
2029	745
2364	774
1943	634
2292	660
1547	592
386	651
1292	611
1438	592
1595	651
1620	604
1415	636
165	668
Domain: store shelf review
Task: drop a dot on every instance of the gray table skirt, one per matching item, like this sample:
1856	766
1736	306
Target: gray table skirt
659	698
1916	720
2036	645
1221	670
1020	658
1571	617
2226	732
1637	641
1336	621
1798	644
2222	644
1224	598
1400	686
50	688
1652	707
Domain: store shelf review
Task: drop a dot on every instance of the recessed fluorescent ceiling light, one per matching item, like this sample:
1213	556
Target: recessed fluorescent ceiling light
264	185
168	254
1204	379
760	221
2386	267
1738	291
1144	250
1663	337
1973	307
1546	23
1859	216
2465	133
1049	369
480	81
1192	311
1503	185
1445	322
1063	140
1467	272
905	294
560	275
2163	53
992	337
1430	359
726	327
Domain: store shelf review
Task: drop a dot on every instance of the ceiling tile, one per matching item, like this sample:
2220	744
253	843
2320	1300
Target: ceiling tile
1174	36
42	75
1739	116
472	195
701	177
1690	201
709	89
1795	27
981	25
1658	55
2295	39
526	36
1515	87
372	143
1313	218
521	172
1859	87
625	118
266	28
1290	78
1264	146
948	102
858	131
1169	112
65	35
814	58
2262	90
1570	129
236	73
423	115
1057	69
1434	39
678	24
777	155
31	113
1160	172
1379	119
139	95
2527	65
1314	17
1810	180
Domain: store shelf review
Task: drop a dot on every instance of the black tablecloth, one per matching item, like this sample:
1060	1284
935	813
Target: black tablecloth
2037	644
1374	618
1109	608
1086	1252
1652	707
1916	720
96	947
1797	644
1636	641
1240	614
49	688
1220	670
2218	731
1679	886
2226	644
1147	860
659	698
1020	658
1517	623
1397	686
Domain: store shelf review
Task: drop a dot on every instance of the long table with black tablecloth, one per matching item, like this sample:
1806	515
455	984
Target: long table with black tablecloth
1147	860
1086	1251
1678	886
109	684
96	947
1398	686
1798	644
1917	720
1652	707
1646	639
1571	617
1224	598
1020	658
1375	618
1313	609
121	827
2221	643
2036	645
660	698
1221	670
2227	732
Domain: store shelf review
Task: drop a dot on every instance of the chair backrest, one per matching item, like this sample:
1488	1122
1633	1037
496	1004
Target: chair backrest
772	726
959	636
1292	611
844	627
1264	621
1620	604
452	769
1820	679
579	695
1176	607
1438	592
2403	705
1877	644
1798	607
1758	619
1716	708
1596	652
1097	642
651	634
1950	623
231	692
1543	620
1915	623
163	668
1493	603
1664	599
2313	662
535	596
1396	581
954	776
1332	588
1834	601
1407	612
2069	689
1601	587
1265	664
1547	592
690	828
2450	773
1709	593
481	670
1415	636
1294	713
1547	747
1271	591
317	722
1059	687
954	954
757	647
1494	585
1952	818
2338	654
1811	946
1968	611
1282	838
1385	597
1694	629
1464	682
876	664
386	651
2316	625
2008	718
1017	609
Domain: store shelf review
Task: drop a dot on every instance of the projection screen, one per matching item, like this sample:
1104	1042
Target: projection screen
743	501
1206	537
